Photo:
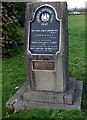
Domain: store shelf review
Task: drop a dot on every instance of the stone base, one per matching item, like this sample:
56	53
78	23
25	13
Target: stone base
26	99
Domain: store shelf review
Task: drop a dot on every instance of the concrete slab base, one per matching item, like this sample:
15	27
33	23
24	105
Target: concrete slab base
26	99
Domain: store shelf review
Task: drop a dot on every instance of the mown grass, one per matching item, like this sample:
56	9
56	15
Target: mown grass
14	75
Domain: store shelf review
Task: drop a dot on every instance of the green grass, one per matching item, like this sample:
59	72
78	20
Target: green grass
77	46
14	75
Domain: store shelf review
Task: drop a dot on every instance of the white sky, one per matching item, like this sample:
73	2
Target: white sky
72	3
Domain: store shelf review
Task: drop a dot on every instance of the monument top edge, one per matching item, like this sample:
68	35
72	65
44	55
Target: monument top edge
31	1
46	2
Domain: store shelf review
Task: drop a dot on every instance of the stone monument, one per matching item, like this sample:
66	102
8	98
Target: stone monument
46	61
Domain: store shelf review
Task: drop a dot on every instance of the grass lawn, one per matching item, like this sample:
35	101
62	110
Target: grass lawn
13	74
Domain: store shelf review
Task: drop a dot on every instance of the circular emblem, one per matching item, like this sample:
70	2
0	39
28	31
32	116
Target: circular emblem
45	17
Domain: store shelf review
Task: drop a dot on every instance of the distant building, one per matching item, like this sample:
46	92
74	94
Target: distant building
75	13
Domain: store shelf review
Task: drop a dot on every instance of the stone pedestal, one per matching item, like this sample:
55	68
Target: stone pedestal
26	99
46	46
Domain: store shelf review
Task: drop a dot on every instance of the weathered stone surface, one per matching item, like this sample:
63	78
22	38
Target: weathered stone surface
42	96
69	93
78	94
54	97
22	104
76	104
17	96
44	80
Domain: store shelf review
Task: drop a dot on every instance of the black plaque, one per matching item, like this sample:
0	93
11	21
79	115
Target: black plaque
44	31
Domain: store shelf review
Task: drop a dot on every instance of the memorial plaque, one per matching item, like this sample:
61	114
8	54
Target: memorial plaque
44	31
43	65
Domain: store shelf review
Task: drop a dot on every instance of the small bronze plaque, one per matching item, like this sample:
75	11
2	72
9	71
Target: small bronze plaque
43	65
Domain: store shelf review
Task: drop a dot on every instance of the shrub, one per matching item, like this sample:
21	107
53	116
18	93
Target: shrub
20	7
10	36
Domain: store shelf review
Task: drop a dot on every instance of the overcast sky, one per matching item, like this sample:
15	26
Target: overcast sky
72	3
